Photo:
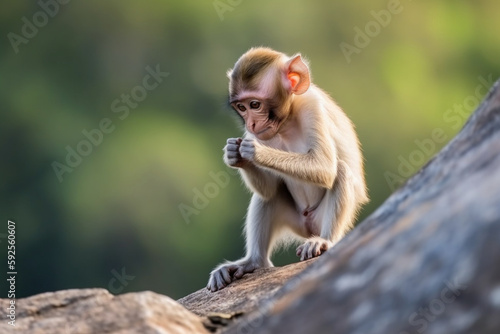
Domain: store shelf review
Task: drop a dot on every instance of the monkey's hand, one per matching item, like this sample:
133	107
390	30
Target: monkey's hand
228	272
247	149
232	156
313	247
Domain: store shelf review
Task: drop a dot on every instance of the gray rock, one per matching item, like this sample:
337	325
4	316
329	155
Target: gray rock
244	295
92	311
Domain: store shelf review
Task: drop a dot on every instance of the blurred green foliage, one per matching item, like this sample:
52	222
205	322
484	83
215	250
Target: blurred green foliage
119	208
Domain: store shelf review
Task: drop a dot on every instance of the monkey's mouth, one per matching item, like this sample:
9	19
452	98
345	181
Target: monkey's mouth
267	133
262	131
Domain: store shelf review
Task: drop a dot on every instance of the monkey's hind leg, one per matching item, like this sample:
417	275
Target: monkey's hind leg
263	224
336	215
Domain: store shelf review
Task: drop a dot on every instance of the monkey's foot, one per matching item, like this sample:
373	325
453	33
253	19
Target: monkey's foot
226	273
313	247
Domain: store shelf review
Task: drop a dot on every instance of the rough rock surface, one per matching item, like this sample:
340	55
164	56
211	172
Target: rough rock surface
93	311
244	295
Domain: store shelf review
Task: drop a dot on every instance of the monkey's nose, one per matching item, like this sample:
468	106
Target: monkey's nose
251	127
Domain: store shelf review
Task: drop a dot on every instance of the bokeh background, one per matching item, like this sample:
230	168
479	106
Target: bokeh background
408	85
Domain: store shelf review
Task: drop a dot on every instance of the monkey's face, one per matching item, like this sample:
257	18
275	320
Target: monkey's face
261	89
259	117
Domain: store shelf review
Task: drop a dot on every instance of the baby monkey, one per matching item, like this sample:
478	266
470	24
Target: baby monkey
299	156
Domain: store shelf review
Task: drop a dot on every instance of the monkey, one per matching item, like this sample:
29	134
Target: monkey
299	156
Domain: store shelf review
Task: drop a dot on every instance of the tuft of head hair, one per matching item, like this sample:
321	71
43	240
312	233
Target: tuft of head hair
250	67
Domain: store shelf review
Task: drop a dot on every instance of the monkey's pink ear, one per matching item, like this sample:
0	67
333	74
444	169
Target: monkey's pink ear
298	75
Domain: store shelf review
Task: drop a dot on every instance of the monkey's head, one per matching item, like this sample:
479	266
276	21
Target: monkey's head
261	89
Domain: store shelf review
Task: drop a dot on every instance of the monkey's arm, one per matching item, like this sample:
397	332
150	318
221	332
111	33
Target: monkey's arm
318	166
256	179
262	182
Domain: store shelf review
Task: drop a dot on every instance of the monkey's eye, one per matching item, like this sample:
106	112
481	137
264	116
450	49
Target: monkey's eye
241	107
255	104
